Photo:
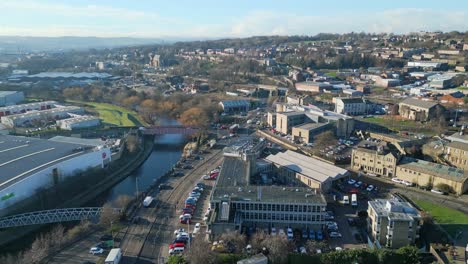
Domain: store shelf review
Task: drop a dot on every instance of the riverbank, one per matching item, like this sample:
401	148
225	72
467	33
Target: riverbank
87	195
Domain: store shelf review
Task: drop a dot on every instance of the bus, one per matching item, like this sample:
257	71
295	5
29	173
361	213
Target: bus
353	199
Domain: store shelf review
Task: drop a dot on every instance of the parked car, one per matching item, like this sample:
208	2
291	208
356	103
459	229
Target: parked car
96	250
370	188
351	181
179	231
196	229
273	231
396	180
335	234
319	235
304	233
438	192
311	234
357	184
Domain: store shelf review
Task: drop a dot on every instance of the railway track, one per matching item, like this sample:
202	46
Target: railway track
153	235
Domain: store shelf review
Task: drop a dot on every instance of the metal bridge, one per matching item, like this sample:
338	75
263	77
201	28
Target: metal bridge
162	130
53	216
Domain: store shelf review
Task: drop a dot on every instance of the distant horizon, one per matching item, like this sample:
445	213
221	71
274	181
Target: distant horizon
211	19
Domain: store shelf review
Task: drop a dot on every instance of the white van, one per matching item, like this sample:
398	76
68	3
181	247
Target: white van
353	199
175	251
346	199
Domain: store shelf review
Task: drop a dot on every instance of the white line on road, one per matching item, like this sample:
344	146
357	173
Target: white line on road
17	147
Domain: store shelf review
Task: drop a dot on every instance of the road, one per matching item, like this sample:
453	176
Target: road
147	241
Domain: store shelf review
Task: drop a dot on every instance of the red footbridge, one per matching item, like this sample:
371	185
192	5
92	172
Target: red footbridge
163	130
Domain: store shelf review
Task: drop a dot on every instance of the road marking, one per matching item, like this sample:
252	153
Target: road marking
17	147
38	167
25	156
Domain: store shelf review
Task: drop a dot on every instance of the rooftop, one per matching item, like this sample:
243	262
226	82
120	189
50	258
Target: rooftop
235	103
23	156
419	103
307	166
232	183
311	126
293	113
435	169
458	145
351	100
80	75
6	93
394	209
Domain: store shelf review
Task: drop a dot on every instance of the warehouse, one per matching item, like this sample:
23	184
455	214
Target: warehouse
78	122
235	106
30	164
40	116
23	108
238	202
310	171
306	132
10	97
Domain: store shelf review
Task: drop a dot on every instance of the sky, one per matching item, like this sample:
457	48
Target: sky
219	18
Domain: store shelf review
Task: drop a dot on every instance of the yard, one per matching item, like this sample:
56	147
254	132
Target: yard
396	124
112	114
451	220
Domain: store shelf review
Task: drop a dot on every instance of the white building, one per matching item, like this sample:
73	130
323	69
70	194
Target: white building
350	106
10	97
23	108
40	116
31	164
78	122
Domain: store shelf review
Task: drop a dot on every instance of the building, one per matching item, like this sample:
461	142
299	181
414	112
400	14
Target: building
286	120
427	65
428	174
10	97
317	87
31	164
306	132
312	172
453	98
99	65
78	122
63	76
299	99
42	116
387	82
441	81
154	60
237	201
23	108
350	106
374	159
420	110
353	93
235	106
457	154
393	223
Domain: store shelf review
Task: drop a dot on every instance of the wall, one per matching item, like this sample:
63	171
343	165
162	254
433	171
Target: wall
43	179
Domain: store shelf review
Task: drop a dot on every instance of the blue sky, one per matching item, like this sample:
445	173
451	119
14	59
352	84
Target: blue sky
216	19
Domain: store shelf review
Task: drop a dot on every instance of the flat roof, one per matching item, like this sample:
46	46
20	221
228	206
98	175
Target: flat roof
458	145
292	113
435	169
394	209
310	167
5	93
311	126
23	156
232	184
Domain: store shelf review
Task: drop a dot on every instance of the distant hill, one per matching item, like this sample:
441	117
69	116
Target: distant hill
14	44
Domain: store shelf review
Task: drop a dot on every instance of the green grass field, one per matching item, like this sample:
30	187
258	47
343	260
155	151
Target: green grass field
112	114
401	125
451	220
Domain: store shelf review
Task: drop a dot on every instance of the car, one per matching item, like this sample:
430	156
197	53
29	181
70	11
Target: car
206	177
351	221
180	240
438	191
106	237
175	251
96	250
177	245
103	245
281	232
196	229
185	221
311	234
183	235
319	235
407	183
351	181
335	234
179	231
185	216
187	167
290	233
195	194
201	185
178	174
357	184
302	250
304	233
273	231
370	188
187	211
193	198
396	180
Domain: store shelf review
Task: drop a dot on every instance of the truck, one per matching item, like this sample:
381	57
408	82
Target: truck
233	128
147	201
114	257
353	199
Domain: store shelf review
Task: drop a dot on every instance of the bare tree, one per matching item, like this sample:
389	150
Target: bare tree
108	216
234	241
39	249
257	240
277	246
57	237
132	143
122	201
200	253
313	245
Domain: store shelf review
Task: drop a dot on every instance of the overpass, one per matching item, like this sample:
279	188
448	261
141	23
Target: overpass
53	216
162	130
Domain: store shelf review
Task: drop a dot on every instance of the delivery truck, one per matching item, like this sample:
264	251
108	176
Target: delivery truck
148	200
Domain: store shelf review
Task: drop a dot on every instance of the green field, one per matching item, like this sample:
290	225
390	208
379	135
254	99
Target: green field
451	220
114	115
401	125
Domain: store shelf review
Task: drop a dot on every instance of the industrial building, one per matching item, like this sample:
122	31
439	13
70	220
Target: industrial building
10	97
316	87
393	223
235	106
312	172
23	108
78	122
419	110
239	199
429	174
18	120
30	164
350	106
305	133
286	120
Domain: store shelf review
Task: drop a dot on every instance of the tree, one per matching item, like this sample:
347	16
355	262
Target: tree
200	253
108	216
257	241
313	245
444	188
409	255
277	246
123	201
325	138
176	260
234	241
131	143
194	117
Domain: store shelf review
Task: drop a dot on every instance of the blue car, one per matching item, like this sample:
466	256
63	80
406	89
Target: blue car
319	235
311	234
190	201
304	233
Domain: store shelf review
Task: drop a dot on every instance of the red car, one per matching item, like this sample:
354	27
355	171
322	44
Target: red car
191	206
185	221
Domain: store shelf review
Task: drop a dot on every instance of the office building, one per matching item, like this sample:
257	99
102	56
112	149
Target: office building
350	106
10	97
